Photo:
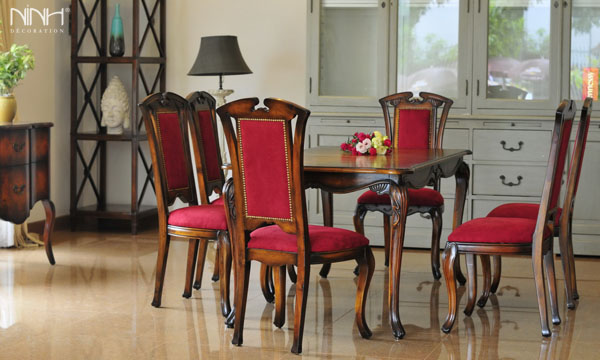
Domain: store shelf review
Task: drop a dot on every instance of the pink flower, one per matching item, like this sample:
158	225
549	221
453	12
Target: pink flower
354	141
361	136
361	148
387	142
373	151
367	143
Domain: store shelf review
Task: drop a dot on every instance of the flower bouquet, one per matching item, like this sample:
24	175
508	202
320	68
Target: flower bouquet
368	144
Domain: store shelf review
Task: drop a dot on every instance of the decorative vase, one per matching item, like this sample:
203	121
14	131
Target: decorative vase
8	109
117	42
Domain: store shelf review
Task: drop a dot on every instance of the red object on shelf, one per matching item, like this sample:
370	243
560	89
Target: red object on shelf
590	83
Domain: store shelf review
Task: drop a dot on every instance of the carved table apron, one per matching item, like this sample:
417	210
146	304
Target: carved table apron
334	171
25	175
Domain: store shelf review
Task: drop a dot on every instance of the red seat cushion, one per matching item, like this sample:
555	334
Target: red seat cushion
496	230
210	217
521	210
322	239
218	201
416	197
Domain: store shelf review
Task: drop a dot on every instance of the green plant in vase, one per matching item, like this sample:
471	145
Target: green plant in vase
14	64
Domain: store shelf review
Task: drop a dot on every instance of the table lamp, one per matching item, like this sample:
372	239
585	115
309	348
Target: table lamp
219	55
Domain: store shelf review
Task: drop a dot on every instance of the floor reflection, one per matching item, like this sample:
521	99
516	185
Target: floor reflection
8	315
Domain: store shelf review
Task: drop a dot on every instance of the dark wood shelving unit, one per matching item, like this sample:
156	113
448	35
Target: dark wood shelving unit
90	29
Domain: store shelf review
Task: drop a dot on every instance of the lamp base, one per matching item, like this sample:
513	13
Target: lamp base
220	95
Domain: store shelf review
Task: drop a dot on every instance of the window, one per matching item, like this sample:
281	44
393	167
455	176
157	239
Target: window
585	49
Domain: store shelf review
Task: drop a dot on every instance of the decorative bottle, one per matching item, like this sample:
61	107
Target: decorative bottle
117	42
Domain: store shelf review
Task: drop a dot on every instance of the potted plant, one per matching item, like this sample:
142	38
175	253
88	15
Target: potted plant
14	63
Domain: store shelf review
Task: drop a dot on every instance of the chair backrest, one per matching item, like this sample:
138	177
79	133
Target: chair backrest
412	122
267	164
577	159
166	120
565	114
205	143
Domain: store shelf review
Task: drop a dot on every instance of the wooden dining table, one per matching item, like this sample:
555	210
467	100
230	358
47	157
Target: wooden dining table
334	171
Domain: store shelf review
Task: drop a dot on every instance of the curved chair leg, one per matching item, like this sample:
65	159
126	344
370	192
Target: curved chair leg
566	258
366	266
387	236
538	276
50	213
161	265
200	264
497	273
572	259
471	283
551	283
302	284
266	283
327	200
436	220
292	273
215	275
279	277
487	279
191	264
449	257
241	297
225	272
458	272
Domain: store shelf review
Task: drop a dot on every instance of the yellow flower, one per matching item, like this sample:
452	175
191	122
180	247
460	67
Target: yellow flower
376	142
381	150
377	134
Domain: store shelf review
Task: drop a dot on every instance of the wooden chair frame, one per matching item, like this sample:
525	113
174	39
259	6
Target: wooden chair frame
389	105
563	230
277	109
151	106
540	249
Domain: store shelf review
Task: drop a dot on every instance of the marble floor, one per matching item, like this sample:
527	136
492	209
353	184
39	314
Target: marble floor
95	304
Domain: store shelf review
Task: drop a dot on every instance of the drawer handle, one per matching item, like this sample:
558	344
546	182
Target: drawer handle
18	189
18	147
510	183
511	149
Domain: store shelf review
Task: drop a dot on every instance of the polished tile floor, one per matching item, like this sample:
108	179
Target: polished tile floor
95	304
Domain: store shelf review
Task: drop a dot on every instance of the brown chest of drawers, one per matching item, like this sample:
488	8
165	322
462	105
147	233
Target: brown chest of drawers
25	175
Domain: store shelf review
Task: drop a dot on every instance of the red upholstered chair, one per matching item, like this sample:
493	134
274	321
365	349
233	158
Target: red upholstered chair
411	123
562	224
167	117
207	154
508	236
267	158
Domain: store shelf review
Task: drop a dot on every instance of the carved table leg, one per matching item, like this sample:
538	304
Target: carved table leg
48	228
462	185
399	197
327	199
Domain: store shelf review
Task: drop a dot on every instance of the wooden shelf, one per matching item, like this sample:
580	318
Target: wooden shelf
119	60
110	137
115	211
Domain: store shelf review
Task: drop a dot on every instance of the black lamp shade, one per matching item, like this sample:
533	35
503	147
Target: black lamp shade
219	55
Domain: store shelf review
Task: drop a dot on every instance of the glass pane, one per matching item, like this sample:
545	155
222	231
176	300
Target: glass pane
348	43
585	49
519	49
428	46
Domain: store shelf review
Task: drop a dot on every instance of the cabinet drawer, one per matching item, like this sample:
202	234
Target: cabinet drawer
40	138
14	193
14	147
508	180
512	145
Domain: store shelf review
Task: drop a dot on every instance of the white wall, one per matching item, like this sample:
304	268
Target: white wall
272	37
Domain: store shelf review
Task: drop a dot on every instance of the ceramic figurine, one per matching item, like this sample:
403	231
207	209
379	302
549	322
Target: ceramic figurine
115	107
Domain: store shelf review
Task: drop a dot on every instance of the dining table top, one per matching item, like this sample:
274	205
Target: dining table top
399	161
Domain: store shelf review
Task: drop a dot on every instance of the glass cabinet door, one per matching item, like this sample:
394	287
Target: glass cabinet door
432	48
349	66
519	54
585	49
